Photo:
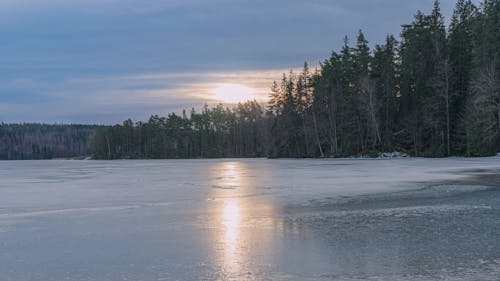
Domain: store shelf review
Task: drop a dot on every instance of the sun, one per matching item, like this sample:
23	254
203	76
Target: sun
235	93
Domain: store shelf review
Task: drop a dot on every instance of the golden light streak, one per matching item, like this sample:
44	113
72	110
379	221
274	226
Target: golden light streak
235	93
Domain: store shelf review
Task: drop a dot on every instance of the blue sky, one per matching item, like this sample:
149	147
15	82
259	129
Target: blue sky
103	61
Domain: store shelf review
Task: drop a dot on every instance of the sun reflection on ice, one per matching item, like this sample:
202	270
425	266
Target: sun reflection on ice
231	217
230	212
234	213
231	221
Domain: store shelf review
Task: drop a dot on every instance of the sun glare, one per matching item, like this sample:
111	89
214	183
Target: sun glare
235	93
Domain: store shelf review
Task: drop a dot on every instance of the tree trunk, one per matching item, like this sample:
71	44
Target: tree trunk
109	147
316	132
373	116
447	96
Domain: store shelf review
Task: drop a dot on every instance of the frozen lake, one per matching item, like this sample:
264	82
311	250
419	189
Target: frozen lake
398	219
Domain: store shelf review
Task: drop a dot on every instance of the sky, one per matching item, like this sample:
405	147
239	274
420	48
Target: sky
103	61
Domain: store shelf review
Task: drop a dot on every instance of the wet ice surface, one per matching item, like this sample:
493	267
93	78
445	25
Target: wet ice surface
403	219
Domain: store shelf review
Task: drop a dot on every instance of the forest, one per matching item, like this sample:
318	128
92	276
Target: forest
41	141
432	92
214	132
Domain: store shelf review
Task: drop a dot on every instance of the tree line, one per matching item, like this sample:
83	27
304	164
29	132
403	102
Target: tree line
213	132
433	92
42	141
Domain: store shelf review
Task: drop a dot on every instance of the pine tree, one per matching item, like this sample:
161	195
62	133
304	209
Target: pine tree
461	43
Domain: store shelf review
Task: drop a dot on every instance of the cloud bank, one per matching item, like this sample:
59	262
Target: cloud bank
102	61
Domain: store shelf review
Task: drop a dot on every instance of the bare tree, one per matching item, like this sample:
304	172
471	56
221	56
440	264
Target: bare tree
370	107
484	110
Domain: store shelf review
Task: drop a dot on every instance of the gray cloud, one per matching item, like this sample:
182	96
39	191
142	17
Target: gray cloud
110	99
61	60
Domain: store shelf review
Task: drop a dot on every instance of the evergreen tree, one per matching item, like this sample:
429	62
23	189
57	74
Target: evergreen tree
461	43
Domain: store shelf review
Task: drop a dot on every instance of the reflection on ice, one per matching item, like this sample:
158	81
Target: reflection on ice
242	220
228	175
231	220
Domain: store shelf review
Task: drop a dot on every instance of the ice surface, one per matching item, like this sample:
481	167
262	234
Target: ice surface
258	219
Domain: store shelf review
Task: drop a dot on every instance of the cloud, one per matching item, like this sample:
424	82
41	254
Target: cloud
107	60
115	98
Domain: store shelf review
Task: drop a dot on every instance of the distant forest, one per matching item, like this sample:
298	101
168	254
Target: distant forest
40	141
432	92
